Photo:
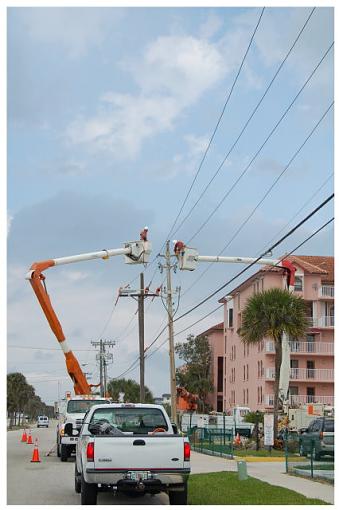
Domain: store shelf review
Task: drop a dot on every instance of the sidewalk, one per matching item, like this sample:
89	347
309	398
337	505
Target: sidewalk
270	472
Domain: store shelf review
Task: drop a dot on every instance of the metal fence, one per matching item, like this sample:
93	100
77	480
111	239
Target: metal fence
218	442
306	462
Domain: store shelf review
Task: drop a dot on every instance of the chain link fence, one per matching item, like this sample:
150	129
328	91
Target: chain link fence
218	442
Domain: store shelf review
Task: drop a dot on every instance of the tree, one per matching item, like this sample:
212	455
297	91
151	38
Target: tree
270	314
130	388
195	375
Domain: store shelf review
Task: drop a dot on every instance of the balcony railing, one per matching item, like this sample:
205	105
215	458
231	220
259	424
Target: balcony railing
326	291
304	347
325	321
309	374
303	399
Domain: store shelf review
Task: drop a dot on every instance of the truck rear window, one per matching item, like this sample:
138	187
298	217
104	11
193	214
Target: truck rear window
118	420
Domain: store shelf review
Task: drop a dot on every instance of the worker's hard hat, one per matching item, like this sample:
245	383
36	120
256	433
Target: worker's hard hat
145	228
174	241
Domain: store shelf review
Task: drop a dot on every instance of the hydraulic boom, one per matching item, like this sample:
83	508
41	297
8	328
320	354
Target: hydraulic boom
135	252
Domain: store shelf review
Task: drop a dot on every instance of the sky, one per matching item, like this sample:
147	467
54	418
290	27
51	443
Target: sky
110	113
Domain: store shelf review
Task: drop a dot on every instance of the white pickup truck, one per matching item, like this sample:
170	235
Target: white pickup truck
130	448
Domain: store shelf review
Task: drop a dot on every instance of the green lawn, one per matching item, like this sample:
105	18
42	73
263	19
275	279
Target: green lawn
259	453
321	467
225	489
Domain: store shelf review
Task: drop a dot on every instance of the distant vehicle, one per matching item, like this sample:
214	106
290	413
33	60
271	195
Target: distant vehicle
133	449
234	423
319	436
42	421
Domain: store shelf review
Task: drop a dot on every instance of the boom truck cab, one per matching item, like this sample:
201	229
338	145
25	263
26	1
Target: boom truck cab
73	410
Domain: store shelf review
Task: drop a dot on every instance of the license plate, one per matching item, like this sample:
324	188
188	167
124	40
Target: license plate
138	475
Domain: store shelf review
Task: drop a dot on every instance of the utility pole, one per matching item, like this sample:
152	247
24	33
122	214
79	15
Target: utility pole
140	295
169	306
141	314
102	357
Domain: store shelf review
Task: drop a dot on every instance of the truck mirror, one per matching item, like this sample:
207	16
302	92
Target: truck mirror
175	428
69	431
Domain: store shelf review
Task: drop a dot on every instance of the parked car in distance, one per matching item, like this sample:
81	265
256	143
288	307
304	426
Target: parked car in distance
319	437
42	421
133	449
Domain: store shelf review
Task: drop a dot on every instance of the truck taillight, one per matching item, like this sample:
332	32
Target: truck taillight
90	452
187	451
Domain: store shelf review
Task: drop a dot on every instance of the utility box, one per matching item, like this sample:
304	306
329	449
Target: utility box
140	252
188	259
242	470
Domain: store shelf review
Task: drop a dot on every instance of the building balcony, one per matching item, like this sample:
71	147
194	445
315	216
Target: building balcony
296	400
305	374
326	292
325	321
309	348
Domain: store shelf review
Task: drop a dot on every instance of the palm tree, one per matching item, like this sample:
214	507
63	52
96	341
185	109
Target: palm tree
270	314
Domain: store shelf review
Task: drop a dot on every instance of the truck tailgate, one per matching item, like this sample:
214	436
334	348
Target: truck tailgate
135	452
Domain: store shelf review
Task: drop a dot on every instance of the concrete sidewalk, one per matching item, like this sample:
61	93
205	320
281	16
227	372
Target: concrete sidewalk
270	472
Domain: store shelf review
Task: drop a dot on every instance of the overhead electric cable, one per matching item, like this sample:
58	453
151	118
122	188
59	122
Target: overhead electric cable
271	249
261	147
246	124
220	306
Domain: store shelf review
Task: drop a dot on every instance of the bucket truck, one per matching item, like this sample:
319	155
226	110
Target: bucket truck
135	252
188	259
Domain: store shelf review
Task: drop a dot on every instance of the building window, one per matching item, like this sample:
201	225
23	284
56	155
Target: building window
220	373
248	349
247	396
219	405
230	317
247	372
298	284
244	349
238	300
260	394
244	374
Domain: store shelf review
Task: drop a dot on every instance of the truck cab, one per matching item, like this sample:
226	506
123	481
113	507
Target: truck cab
72	410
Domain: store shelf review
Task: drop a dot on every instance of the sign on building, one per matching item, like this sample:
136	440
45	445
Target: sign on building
268	429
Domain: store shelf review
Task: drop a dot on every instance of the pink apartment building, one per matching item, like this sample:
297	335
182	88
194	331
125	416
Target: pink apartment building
244	375
215	336
249	370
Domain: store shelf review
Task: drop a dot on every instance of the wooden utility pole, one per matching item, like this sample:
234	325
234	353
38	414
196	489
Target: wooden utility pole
103	356
141	315
171	335
140	295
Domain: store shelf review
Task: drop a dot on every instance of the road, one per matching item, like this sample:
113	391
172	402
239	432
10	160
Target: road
51	482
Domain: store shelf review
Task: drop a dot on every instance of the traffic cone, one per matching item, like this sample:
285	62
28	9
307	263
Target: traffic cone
29	438
237	439
35	456
24	437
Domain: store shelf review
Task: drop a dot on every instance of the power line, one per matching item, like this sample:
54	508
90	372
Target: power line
262	145
220	306
271	249
266	193
247	122
217	124
312	213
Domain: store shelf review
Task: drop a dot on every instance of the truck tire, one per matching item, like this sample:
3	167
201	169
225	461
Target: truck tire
178	498
77	480
64	452
89	492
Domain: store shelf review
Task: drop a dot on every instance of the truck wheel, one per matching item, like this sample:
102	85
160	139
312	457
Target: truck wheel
178	498
64	452
89	492
77	480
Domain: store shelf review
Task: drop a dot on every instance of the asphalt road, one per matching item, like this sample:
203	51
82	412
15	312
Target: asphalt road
51	482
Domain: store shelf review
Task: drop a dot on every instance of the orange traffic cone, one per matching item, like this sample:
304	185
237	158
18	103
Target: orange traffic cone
24	437
35	456
29	438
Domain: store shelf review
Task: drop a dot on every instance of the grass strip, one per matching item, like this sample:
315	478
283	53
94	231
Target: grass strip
224	488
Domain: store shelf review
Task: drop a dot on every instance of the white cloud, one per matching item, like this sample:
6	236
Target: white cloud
9	222
169	82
